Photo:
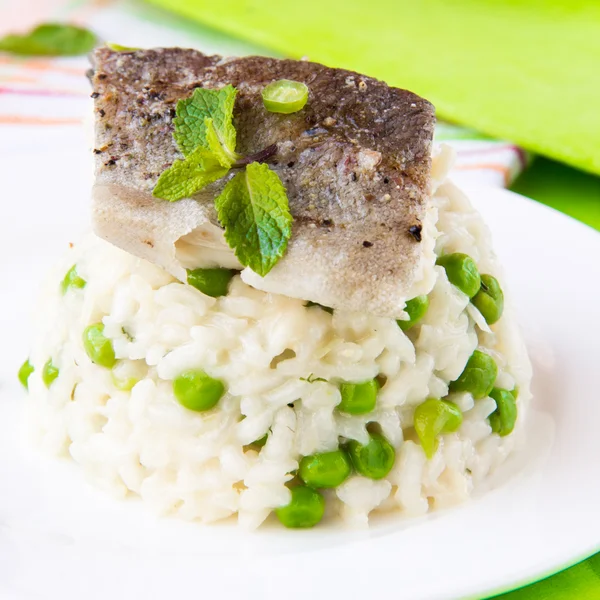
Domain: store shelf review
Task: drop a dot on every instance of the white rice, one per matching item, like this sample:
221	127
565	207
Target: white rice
264	346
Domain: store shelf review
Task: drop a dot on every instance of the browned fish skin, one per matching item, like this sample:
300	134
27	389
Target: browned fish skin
355	162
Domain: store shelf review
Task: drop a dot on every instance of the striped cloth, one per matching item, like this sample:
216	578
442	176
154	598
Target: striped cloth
45	100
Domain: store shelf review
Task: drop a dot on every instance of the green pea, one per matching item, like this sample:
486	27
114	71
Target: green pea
197	391
416	309
375	459
49	373
432	418
325	470
212	282
478	376
306	508
358	398
503	419
98	347
127	373
489	300
71	280
462	272
124	384
24	372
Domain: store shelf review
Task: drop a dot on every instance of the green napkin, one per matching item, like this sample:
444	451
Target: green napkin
523	70
572	192
581	582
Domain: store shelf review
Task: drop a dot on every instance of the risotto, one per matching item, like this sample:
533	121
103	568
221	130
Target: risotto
359	413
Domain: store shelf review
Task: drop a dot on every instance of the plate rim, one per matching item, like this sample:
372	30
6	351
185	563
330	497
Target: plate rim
535	574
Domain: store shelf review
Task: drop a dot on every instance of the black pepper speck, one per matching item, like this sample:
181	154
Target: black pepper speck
415	231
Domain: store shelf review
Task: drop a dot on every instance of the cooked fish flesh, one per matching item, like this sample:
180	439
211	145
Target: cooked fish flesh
355	163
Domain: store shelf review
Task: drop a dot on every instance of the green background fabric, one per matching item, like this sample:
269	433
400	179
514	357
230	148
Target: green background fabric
563	188
581	582
528	71
523	70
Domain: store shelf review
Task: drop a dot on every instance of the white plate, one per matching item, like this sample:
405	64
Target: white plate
60	538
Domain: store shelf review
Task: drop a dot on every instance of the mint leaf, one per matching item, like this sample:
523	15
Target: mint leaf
218	146
191	113
186	177
253	209
50	39
253	206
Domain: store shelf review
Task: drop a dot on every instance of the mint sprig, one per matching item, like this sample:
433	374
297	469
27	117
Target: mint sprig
253	207
186	177
50	39
218	145
191	114
254	210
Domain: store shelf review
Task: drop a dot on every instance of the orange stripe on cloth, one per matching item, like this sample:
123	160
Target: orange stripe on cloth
18	79
24	120
504	171
35	64
47	93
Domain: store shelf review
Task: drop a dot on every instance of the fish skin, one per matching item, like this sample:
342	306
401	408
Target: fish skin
355	163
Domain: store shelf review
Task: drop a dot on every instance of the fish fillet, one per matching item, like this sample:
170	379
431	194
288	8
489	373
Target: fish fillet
355	162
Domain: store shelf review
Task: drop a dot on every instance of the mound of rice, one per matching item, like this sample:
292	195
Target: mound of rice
265	348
